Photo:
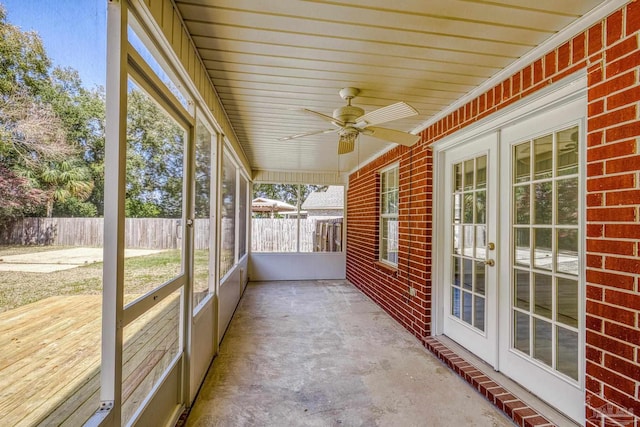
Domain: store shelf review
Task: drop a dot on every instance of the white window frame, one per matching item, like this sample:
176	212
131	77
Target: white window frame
386	216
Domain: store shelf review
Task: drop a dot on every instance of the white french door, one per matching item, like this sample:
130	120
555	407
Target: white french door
470	293
510	229
541	300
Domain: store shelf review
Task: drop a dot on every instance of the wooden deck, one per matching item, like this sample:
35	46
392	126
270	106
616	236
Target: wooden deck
50	359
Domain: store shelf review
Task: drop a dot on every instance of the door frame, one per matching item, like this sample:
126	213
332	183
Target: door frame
514	364
572	88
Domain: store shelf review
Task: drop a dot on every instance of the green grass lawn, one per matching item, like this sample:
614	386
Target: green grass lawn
142	274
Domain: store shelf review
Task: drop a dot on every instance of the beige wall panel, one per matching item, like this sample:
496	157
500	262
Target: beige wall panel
155	7
166	22
176	34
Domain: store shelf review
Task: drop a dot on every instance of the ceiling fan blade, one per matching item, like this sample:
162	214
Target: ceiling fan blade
392	135
324	117
399	110
300	135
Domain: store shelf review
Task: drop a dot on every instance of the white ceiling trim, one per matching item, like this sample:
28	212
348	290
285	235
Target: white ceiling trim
318	178
567	33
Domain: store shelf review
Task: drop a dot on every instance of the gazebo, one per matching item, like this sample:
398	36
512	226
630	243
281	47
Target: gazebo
262	204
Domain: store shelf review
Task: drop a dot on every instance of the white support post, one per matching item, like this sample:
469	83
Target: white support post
216	228
114	202
214	214
188	267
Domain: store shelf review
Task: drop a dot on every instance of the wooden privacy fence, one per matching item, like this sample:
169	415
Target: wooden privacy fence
147	233
54	231
279	235
327	236
268	234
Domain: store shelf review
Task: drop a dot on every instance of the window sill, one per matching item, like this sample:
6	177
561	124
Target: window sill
388	268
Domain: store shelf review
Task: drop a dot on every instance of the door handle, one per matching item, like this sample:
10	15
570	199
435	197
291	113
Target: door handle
488	261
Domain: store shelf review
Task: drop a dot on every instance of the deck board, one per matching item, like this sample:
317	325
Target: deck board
50	358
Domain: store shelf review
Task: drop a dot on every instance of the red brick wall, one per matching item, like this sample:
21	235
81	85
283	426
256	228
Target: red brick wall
610	53
390	287
613	220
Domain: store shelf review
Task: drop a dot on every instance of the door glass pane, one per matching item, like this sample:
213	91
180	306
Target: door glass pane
545	230
567	355
567	301
522	204
481	172
478	313
457	208
542	203
542	248
543	294
543	157
522	162
481	241
567	151
522	250
479	279
457	239
456	273
481	208
567	201
567	254
542	341
455	302
522	293
468	208
201	226
467	248
457	177
521	333
468	175
468	274
467	307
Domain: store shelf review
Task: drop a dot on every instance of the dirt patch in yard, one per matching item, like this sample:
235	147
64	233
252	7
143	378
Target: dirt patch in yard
63	259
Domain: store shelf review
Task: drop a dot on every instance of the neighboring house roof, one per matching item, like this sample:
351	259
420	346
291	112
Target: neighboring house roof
332	198
262	204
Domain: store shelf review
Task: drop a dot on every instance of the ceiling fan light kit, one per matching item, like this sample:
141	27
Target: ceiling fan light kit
351	120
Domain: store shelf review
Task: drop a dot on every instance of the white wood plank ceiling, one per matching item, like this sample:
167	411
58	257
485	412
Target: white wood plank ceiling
269	59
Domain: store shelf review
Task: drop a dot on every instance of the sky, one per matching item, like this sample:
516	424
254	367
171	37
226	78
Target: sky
73	32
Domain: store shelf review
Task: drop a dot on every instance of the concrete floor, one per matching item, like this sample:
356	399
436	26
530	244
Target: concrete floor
322	354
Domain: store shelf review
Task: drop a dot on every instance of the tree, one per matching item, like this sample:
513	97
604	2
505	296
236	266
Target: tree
65	180
24	64
51	128
288	193
17	197
155	156
82	113
30	132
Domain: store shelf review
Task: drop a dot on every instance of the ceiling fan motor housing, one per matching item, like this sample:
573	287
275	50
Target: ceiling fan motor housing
348	113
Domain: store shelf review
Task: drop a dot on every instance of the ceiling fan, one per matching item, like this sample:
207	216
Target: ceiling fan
350	121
